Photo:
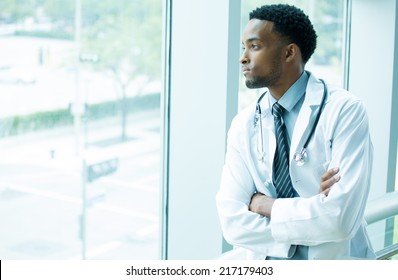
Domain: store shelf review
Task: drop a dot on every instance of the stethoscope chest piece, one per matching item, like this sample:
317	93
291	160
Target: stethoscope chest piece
301	157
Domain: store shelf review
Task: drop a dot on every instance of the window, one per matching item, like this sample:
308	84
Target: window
80	129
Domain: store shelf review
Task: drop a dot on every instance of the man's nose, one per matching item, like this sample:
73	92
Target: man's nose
244	59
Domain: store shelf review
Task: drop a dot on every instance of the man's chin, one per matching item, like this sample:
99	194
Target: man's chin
252	84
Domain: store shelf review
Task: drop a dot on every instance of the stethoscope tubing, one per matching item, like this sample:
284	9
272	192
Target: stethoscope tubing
318	116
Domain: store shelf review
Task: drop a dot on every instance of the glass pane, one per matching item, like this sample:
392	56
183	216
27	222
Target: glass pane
327	61
80	129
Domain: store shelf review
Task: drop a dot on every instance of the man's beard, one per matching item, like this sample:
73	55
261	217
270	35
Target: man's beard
257	82
265	81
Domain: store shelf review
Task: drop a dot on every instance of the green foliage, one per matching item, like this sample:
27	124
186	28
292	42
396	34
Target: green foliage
45	34
63	117
17	9
37	121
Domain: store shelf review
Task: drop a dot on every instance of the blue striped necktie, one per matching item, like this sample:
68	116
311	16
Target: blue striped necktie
281	176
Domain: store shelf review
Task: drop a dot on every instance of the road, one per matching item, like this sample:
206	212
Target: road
41	193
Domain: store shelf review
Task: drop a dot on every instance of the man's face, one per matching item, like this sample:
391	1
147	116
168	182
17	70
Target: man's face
262	54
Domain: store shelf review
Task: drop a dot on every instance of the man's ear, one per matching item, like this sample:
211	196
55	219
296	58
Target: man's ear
292	52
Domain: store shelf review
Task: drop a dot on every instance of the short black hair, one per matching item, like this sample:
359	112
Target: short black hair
291	23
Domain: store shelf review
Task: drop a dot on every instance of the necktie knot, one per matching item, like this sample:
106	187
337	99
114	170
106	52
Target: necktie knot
277	110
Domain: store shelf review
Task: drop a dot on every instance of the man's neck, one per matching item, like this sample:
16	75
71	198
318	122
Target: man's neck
279	89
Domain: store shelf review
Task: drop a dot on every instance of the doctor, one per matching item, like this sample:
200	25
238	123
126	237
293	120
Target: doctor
325	143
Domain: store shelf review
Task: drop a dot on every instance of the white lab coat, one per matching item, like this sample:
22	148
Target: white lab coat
333	227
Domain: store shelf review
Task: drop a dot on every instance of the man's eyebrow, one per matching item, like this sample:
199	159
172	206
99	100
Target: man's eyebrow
251	40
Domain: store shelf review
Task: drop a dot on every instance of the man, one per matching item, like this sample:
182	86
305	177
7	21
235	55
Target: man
274	202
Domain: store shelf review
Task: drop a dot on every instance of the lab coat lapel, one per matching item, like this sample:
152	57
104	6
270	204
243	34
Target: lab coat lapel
268	125
307	114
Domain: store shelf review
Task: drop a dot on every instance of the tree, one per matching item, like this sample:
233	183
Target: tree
126	36
16	10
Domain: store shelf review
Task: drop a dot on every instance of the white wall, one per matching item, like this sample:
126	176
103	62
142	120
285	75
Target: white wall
373	76
204	74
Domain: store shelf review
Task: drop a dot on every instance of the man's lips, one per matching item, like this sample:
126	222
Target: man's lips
245	70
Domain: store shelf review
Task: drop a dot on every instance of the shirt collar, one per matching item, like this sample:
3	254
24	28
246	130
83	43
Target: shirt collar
293	94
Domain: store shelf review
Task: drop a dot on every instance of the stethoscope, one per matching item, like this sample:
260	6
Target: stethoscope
301	156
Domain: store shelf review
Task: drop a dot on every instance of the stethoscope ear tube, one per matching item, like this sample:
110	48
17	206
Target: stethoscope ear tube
257	115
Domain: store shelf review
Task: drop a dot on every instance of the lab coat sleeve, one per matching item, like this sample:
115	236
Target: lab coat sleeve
240	226
320	219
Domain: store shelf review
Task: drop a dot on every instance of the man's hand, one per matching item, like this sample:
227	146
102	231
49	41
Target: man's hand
261	204
328	179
